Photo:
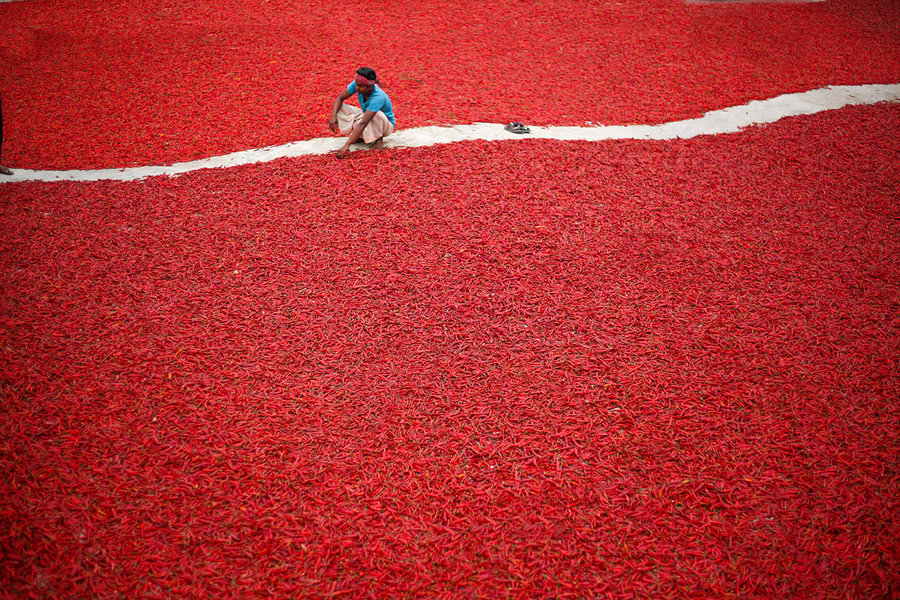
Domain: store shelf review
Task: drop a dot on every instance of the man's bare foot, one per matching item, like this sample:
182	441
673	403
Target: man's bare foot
379	144
5	170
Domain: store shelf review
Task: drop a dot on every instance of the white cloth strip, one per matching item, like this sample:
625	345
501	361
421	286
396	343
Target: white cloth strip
727	120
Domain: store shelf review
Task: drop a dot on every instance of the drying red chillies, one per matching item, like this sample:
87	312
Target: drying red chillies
234	75
531	369
635	368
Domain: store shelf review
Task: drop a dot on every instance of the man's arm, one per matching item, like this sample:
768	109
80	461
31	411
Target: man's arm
338	103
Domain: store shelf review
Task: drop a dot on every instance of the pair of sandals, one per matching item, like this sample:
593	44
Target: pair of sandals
517	128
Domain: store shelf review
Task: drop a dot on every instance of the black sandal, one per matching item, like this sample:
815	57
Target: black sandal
517	128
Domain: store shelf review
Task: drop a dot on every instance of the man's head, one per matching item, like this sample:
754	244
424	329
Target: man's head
365	79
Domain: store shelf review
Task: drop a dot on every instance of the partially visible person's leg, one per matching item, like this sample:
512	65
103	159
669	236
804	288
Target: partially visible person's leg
3	170
378	128
348	117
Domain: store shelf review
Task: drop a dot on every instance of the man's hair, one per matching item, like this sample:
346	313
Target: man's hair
368	74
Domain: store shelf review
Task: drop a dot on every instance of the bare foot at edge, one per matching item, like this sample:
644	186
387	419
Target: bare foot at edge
5	170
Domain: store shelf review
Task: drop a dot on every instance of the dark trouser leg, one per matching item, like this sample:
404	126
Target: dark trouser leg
3	170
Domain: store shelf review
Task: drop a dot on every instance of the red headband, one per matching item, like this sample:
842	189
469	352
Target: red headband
360	80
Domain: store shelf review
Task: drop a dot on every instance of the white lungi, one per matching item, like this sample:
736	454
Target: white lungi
349	117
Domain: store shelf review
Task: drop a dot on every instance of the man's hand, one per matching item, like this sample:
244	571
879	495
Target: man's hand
333	124
343	151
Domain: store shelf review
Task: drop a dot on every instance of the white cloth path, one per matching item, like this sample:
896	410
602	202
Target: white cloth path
727	120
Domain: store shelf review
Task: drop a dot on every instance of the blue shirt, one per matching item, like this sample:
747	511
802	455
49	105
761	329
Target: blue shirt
378	100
